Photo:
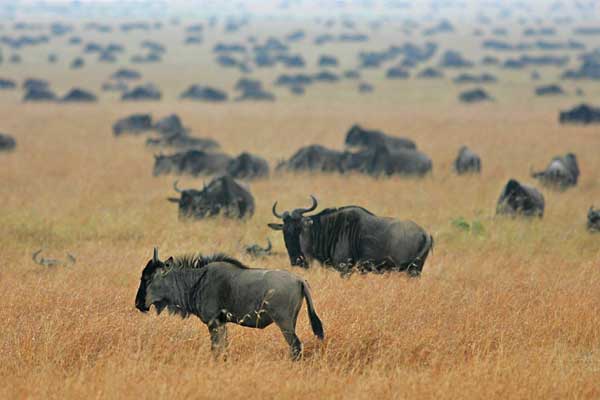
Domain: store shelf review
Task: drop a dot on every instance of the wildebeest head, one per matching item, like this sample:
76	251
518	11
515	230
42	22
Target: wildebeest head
295	224
356	136
149	291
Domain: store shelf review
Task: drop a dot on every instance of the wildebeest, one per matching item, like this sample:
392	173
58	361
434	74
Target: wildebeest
256	250
135	123
474	96
352	236
381	160
248	166
192	162
467	161
581	114
357	136
593	220
222	196
519	199
313	158
561	173
219	289
79	95
7	142
50	262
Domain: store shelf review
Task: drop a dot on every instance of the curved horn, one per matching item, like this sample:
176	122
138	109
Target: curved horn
275	211
303	211
175	188
155	255
34	257
269	245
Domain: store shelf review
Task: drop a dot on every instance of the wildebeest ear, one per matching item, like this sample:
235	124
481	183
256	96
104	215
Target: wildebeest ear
169	261
173	199
277	227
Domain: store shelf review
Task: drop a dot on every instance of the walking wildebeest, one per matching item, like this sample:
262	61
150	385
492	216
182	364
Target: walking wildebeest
467	161
256	251
219	289
357	136
561	173
50	262
353	236
518	199
593	218
223	195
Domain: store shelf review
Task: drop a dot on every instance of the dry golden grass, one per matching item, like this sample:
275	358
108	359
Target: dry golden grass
511	313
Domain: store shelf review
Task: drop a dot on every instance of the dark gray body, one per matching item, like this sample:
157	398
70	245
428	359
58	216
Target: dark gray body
518	199
381	160
350	237
191	162
220	290
358	136
7	142
248	166
313	158
561	173
467	161
593	220
135	124
222	196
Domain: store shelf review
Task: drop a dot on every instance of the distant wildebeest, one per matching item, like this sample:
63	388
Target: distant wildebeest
352	236
7	142
561	173
581	114
78	95
256	250
220	290
50	262
192	162
183	141
357	136
467	161
222	196
381	160
593	220
248	166
518	199
313	158
135	123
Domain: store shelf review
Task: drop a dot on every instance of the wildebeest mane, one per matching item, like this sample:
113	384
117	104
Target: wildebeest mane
332	224
198	261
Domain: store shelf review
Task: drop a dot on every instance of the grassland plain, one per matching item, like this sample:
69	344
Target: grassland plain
512	311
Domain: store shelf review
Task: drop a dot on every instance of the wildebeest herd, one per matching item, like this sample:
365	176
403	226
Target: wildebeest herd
347	238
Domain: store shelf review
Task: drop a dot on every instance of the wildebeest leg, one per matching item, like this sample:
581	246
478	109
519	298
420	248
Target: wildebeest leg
286	321
218	337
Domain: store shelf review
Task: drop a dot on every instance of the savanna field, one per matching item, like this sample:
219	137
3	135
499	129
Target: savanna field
507	309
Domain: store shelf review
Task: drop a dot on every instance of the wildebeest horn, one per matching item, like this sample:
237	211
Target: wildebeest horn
269	245
175	187
275	211
303	211
155	255
34	257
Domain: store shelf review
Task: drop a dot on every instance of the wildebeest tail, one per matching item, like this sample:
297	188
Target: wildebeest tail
315	322
416	266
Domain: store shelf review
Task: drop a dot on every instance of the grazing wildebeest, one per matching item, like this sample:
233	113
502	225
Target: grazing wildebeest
220	290
50	262
593	223
135	123
353	236
223	196
7	142
248	166
313	158
192	162
467	161
358	136
518	199
256	250
381	160
561	173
